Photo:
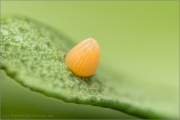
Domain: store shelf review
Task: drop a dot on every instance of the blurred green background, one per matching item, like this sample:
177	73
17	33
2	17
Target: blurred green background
138	38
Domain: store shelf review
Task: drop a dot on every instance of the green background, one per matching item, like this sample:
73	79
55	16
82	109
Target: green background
138	38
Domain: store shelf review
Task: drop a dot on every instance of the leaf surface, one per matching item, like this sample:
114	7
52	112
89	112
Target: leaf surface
33	54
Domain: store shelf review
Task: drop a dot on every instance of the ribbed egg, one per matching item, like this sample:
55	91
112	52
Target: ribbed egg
83	59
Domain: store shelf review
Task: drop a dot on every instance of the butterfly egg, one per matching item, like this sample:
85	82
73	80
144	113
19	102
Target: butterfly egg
83	59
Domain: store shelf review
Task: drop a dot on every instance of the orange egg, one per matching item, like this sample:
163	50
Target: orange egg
83	59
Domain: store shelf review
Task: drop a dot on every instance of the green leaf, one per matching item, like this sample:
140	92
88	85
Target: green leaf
33	55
